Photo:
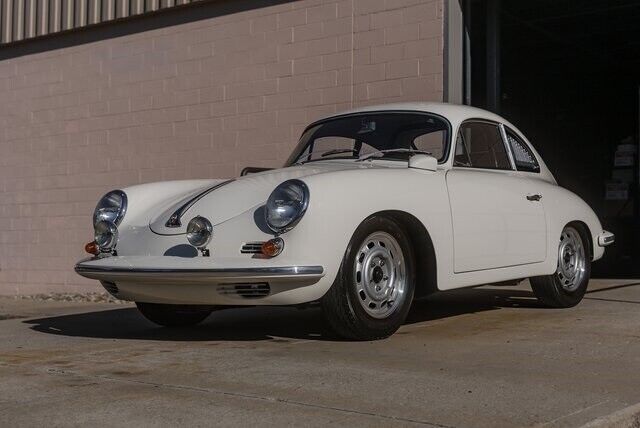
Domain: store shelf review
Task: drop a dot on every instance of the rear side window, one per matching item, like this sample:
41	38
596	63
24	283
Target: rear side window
480	145
524	158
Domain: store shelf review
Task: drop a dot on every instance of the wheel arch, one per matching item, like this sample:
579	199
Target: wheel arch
584	228
422	244
564	208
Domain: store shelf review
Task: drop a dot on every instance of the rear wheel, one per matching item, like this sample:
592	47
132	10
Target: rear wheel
567	286
173	315
374	288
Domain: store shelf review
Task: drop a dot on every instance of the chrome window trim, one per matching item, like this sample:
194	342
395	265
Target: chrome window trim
446	152
527	144
489	122
507	146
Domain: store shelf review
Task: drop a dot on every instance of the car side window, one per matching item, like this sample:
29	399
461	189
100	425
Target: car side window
462	154
480	145
523	157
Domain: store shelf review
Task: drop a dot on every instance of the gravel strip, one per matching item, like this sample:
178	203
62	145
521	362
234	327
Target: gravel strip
73	297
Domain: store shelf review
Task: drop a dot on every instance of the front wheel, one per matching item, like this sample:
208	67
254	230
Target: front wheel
374	288
173	315
567	286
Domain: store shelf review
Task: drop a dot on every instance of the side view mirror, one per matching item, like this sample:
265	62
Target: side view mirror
425	162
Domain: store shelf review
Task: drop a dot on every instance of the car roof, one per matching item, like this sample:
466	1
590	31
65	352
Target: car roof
453	112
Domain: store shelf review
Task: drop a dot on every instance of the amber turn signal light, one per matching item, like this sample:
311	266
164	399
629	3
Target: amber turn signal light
92	248
273	247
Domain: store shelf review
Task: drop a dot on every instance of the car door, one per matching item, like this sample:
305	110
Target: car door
498	218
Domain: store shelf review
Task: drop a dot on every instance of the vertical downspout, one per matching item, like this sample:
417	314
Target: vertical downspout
493	56
452	68
466	13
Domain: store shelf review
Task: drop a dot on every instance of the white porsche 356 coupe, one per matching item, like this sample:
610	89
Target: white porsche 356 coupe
375	207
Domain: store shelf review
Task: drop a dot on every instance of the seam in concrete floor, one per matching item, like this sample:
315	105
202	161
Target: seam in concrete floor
577	412
54	371
627	417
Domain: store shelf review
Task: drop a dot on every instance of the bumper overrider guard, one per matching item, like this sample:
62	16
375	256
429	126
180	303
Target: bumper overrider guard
606	238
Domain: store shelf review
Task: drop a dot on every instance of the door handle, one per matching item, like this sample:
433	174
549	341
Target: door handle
534	198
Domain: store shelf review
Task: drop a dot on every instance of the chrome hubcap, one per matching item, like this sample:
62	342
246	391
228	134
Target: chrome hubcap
571	259
380	275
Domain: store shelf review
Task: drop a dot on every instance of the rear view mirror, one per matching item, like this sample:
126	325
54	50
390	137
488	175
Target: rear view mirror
424	162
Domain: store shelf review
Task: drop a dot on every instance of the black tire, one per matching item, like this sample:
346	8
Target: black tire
552	290
341	305
173	315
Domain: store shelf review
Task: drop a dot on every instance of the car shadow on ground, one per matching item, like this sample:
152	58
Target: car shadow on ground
267	323
466	301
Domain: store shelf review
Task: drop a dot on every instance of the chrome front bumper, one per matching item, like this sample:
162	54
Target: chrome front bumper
204	280
280	273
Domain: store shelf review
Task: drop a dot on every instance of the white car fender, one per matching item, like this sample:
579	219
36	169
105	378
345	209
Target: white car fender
561	208
335	211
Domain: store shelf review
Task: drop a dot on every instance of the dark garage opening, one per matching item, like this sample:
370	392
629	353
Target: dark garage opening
567	73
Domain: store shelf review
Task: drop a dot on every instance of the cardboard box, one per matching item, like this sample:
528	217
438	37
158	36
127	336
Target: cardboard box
624	159
616	191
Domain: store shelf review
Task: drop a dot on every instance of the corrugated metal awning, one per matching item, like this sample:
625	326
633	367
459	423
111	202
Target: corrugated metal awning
27	19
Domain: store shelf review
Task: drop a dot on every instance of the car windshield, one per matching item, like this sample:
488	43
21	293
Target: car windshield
373	135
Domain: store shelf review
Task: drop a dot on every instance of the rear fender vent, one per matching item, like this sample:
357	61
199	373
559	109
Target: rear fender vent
110	287
251	248
246	290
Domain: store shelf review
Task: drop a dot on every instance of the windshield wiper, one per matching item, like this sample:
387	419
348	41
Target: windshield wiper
327	153
338	151
381	153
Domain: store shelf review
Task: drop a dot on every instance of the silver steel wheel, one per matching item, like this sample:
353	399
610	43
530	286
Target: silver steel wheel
380	273
571	259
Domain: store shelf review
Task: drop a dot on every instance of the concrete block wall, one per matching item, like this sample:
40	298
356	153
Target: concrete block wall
200	99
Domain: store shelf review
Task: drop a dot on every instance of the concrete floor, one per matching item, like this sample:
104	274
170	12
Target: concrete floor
480	357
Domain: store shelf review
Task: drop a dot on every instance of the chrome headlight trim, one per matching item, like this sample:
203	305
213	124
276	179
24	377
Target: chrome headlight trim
199	232
300	209
114	201
106	236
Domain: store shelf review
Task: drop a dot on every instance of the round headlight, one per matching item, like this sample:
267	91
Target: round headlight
199	231
286	205
112	208
106	236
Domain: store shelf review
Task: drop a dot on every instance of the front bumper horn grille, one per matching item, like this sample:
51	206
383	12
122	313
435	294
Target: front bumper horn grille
247	291
252	248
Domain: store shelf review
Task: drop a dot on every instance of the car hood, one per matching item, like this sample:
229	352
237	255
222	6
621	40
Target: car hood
230	198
